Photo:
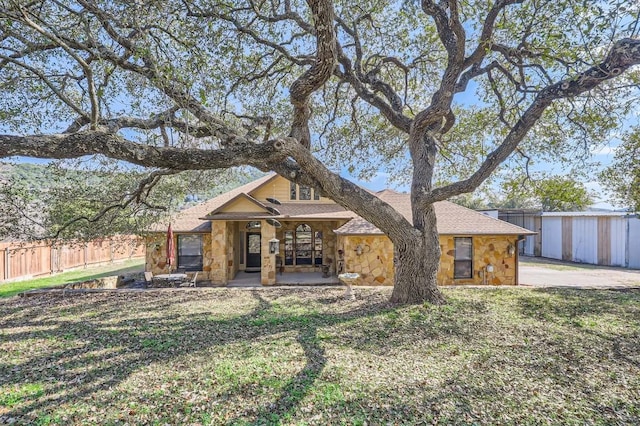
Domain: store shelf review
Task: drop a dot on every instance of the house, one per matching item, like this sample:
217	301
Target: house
274	226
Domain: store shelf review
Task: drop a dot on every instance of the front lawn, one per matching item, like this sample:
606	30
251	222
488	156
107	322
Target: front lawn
82	274
308	357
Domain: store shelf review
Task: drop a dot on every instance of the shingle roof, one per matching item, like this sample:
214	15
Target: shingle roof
453	219
189	220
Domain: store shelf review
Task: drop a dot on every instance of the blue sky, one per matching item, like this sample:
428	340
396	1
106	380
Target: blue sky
603	155
382	180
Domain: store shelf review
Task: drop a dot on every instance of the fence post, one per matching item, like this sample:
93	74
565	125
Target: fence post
7	268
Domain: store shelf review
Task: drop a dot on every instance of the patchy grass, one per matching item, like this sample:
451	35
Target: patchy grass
91	273
307	357
559	265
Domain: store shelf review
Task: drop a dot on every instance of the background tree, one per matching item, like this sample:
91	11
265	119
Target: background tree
623	177
446	90
548	193
92	199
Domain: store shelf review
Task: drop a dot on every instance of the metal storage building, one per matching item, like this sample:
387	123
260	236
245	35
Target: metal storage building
599	238
528	219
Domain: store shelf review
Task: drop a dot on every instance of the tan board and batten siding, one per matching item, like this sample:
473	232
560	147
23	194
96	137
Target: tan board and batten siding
243	205
279	188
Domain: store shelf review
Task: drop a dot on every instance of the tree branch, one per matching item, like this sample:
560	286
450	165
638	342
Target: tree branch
623	55
318	74
97	142
345	192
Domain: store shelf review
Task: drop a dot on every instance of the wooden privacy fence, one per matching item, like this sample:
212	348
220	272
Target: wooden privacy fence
24	260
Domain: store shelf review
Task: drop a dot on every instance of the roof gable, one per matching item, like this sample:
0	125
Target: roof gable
241	203
190	220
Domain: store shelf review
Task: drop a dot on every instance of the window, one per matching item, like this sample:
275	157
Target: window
305	193
253	244
303	246
292	189
253	225
317	248
190	252
463	263
288	248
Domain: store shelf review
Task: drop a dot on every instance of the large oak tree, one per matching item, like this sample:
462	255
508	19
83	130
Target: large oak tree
448	90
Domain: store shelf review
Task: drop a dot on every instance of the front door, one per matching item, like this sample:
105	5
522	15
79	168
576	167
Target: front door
253	251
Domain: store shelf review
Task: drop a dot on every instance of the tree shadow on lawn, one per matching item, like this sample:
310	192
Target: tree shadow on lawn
94	344
90	347
566	304
590	311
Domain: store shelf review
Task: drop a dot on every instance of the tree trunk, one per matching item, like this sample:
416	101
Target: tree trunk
416	269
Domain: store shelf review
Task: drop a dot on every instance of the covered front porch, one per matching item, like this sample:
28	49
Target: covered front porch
269	252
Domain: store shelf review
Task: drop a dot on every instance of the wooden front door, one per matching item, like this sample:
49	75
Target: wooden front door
253	250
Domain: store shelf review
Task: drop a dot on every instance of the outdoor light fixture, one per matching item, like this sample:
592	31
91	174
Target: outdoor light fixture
359	249
490	269
274	222
274	246
511	249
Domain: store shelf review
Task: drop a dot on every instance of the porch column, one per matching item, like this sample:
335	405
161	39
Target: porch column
268	269
219	272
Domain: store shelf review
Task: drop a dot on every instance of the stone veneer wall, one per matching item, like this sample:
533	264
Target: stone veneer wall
156	254
487	250
375	264
268	262
232	266
207	257
219	236
156	259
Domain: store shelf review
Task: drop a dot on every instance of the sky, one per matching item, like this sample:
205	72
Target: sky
603	155
383	180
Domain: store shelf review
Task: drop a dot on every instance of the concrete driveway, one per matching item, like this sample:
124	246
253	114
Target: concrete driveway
541	272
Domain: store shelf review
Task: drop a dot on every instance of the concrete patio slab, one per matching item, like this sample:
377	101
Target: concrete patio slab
247	279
